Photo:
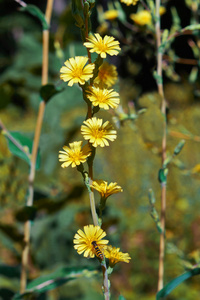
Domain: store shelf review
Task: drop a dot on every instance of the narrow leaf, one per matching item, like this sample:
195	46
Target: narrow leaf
52	281
191	27
179	147
175	282
36	12
25	148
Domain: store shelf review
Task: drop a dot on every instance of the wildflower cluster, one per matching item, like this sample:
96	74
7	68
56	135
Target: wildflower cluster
84	243
95	80
97	93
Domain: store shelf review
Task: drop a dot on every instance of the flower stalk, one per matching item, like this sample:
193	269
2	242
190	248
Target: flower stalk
95	80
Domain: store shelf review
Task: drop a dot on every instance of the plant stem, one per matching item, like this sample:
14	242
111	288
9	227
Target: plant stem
105	281
27	225
164	141
91	193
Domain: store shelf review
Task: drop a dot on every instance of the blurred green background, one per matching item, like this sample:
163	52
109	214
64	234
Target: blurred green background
61	201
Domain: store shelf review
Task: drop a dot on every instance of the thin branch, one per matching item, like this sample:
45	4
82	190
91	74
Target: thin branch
27	226
91	193
164	142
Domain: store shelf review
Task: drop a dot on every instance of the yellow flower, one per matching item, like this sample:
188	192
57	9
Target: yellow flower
104	46
162	10
107	75
104	189
83	240
75	70
103	97
129	2
111	14
98	133
196	169
143	17
74	155
115	256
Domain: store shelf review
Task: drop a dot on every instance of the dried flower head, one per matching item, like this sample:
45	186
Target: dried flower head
83	240
98	132
107	45
74	155
76	70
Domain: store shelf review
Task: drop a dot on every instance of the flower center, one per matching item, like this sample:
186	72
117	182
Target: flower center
103	48
77	72
98	133
75	156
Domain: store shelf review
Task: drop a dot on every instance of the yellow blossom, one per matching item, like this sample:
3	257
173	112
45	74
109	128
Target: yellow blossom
129	2
196	169
114	255
106	189
111	14
74	155
98	132
107	45
103	98
162	10
143	17
76	70
83	240
107	75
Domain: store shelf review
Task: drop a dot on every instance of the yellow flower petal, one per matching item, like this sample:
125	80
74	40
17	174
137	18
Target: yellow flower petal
83	240
75	70
98	133
103	98
74	155
107	45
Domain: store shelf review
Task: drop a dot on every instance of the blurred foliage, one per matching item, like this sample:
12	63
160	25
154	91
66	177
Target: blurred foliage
61	203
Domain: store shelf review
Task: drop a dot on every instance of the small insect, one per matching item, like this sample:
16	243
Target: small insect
97	250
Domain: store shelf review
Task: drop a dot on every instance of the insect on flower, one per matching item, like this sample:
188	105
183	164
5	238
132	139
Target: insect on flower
97	250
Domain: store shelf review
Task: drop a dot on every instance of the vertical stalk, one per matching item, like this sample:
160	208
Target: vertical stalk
106	289
164	142
27	225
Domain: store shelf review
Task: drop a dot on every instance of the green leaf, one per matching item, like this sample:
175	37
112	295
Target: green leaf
52	281
193	74
191	27
26	146
162	175
36	12
175	282
179	147
48	91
